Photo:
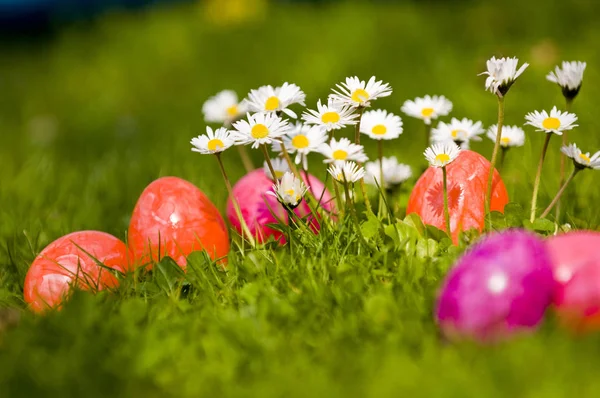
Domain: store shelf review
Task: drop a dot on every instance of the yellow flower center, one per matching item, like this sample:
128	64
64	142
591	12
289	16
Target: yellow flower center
443	157
290	192
360	95
330	117
300	141
426	112
279	174
340	154
585	158
340	177
272	103
505	140
259	131
380	129
215	144
232	110
551	123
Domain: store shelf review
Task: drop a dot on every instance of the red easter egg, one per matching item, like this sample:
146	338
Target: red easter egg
70	261
467	184
576	267
182	216
256	206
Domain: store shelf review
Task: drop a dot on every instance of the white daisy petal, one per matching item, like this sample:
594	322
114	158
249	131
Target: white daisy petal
342	150
223	108
289	191
355	92
349	172
302	140
582	160
459	131
212	142
427	108
556	122
441	155
394	173
333	116
569	77
502	73
275	99
380	125
259	129
512	136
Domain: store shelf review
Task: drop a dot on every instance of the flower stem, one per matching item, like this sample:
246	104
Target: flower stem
502	157
488	192
338	199
381	208
357	142
352	208
288	160
559	193
246	161
446	210
236	205
563	159
268	160
538	177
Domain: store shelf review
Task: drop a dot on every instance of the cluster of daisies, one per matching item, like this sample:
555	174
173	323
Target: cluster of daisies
265	120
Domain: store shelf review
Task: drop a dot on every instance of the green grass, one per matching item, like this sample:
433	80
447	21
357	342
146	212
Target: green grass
89	118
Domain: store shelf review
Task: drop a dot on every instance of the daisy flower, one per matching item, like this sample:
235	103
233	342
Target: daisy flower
556	122
280	166
441	155
223	108
356	92
342	150
511	135
380	125
581	160
302	140
278	99
427	108
289	191
346	171
569	78
394	173
212	142
502	73
259	129
459	131
332	116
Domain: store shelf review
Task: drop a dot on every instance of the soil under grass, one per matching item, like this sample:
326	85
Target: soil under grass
91	116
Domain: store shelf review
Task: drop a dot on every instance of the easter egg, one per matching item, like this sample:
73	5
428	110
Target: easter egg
257	207
501	286
467	184
176	216
576	265
71	261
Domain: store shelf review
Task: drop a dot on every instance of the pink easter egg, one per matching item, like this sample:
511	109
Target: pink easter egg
501	286
257	207
576	266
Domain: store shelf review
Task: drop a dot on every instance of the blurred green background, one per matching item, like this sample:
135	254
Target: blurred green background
95	110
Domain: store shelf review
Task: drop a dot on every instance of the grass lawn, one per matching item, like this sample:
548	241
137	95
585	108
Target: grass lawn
91	116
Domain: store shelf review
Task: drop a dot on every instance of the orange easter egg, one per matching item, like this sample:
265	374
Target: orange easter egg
467	184
71	261
176	216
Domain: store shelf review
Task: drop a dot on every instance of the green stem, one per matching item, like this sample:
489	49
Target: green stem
338	199
559	193
446	210
268	160
502	157
538	177
563	159
236	205
357	142
488	192
246	161
381	208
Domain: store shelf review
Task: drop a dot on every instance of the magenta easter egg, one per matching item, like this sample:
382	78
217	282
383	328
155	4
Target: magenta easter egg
72	262
257	207
576	265
501	286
